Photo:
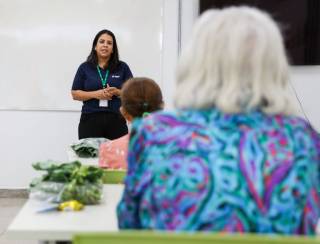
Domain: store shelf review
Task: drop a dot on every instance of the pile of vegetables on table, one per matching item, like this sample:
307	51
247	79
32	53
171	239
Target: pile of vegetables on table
67	181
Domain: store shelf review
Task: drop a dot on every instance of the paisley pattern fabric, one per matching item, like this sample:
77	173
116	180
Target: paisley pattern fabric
205	170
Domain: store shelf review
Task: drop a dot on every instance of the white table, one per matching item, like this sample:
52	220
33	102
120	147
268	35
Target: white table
51	226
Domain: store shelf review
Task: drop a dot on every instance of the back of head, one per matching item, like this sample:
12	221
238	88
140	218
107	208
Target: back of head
235	61
140	95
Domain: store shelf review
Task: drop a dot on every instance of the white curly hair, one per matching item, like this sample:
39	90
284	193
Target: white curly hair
235	61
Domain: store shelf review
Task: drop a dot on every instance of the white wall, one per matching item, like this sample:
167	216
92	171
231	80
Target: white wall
47	47
30	136
306	83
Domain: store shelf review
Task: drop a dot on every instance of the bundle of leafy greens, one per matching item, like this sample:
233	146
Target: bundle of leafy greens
68	181
87	147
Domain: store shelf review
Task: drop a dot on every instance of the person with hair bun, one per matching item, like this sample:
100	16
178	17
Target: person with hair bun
233	156
140	96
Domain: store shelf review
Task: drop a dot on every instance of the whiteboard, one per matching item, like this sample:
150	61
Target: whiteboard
42	43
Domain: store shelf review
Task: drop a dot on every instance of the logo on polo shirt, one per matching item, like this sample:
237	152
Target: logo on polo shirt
115	76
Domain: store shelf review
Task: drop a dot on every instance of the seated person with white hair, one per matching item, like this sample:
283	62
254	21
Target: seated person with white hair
233	156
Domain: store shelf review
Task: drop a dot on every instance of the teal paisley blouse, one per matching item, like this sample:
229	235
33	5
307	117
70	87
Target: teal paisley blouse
204	170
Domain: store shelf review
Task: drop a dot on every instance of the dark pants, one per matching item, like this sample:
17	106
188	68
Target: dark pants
104	124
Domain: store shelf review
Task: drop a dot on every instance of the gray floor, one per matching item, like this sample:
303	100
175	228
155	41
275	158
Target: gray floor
9	207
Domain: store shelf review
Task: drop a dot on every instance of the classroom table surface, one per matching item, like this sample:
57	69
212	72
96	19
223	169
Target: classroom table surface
55	225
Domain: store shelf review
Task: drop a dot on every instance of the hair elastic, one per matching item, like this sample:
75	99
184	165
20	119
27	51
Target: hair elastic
145	114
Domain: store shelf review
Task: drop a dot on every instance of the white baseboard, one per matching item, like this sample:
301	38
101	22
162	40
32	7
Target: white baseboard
14	193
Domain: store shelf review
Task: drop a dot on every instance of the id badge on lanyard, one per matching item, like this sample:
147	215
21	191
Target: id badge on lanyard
104	102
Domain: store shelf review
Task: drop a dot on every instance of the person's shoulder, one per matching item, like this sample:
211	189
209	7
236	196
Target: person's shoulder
121	141
302	132
168	125
86	65
153	124
163	117
123	68
123	65
296	125
161	120
294	121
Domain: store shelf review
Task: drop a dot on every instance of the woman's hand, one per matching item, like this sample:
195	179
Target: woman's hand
113	91
104	94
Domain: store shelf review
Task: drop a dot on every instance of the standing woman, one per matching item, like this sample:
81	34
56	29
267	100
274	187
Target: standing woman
97	84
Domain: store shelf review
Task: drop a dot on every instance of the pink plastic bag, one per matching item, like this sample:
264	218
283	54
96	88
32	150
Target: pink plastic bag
113	154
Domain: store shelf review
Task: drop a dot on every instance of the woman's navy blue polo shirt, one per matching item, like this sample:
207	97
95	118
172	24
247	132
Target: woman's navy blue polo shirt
87	79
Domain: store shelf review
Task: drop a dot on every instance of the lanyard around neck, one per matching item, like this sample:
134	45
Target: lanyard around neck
103	81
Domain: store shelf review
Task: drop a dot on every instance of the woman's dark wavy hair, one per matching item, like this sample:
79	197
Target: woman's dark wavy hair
114	59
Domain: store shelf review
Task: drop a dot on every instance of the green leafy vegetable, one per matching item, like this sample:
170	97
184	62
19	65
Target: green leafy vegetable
81	182
87	147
